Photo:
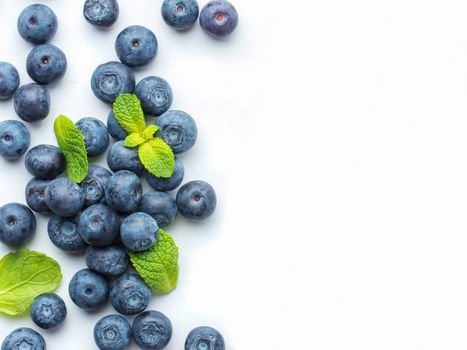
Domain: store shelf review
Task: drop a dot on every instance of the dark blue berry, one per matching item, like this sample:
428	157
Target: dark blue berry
218	18
63	233
94	184
196	200
112	79
124	191
180	14
169	183
161	206
96	136
101	13
99	225
112	332
139	232
46	63
48	310
88	289
136	46
204	338
155	95
37	24
129	295
64	197
115	130
111	260
14	139
32	102
120	157
178	129
35	195
24	339
45	162
152	330
9	80
17	224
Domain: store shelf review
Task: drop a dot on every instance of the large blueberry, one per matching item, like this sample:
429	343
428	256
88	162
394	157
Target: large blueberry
169	183
112	79
88	289
9	80
48	310
63	233
218	18
35	195
24	339
129	295
37	24
94	184
178	129
64	197
120	157
45	161
112	332
115	130
96	136
124	191
196	200
99	225
111	260
161	206
101	13
17	224
139	232
136	46
155	95
152	330
204	338
46	63
14	139
32	102
180	14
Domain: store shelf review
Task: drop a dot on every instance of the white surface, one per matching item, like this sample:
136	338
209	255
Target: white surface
335	135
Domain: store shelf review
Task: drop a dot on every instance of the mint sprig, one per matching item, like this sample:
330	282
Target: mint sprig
155	155
71	142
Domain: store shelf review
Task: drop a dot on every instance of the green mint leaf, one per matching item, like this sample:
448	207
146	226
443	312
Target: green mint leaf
158	266
129	114
71	142
24	275
133	140
157	157
149	131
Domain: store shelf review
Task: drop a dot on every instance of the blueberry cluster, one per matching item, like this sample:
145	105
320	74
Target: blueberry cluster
107	215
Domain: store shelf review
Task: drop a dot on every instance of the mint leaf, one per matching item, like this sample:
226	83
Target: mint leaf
129	114
24	275
158	266
71	142
133	140
157	157
149	131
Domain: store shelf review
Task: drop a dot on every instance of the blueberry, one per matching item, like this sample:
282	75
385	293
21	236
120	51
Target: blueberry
136	46
35	195
155	95
129	295
120	157
63	233
115	130
48	310
88	289
9	80
204	338
17	224
178	129
96	136
112	332
32	102
180	14
112	79
111	260
37	24
123	191
45	161
14	139
196	200
99	225
161	206
101	13
24	339
46	63
139	232
170	183
64	197
152	330
218	18
94	184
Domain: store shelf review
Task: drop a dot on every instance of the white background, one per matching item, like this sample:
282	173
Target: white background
335	135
